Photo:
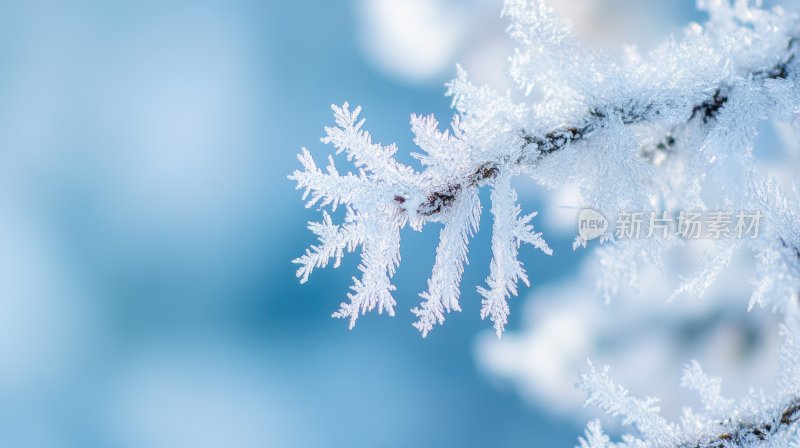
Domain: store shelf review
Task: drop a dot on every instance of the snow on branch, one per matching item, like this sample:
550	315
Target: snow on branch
643	133
759	420
620	129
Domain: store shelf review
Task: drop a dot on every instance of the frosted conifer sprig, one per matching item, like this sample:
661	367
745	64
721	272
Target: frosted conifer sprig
376	198
632	134
642	133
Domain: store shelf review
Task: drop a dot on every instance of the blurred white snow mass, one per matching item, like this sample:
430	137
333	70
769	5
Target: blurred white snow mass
422	40
412	39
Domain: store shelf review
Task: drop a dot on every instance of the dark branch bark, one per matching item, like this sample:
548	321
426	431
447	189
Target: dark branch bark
535	147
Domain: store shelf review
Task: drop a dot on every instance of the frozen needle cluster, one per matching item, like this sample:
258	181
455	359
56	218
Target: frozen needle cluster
666	130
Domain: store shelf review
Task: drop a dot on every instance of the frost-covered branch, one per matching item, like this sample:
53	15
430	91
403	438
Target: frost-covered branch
535	147
745	433
636	134
667	131
759	420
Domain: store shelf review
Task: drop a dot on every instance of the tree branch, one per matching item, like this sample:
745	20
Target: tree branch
536	148
747	432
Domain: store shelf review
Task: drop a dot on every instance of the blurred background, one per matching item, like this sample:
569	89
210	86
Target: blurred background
147	226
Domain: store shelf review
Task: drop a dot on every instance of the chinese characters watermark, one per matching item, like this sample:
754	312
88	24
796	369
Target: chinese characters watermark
717	224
